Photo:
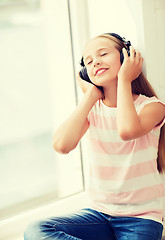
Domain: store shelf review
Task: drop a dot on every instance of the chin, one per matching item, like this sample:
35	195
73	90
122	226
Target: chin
104	81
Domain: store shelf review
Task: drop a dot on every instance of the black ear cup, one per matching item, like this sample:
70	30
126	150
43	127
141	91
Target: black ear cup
84	75
83	72
127	45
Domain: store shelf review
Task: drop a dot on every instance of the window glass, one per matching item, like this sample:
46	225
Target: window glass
31	105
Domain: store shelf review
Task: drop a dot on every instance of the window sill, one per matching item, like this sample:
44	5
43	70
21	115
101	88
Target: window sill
17	224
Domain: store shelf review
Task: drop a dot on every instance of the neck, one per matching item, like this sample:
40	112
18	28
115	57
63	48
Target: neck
110	93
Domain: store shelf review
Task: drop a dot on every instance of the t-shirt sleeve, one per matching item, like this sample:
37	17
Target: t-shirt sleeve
148	100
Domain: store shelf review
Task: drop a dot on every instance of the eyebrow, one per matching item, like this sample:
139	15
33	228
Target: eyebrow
100	49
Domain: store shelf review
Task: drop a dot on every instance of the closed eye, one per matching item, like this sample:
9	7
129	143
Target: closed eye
103	54
89	62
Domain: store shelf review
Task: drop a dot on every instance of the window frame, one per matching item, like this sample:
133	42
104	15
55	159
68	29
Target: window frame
18	222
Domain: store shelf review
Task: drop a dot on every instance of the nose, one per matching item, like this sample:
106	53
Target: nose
96	62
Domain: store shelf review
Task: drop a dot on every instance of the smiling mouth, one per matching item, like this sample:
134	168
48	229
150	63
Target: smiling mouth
100	71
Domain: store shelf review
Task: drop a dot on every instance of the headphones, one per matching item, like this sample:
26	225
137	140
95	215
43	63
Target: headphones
127	44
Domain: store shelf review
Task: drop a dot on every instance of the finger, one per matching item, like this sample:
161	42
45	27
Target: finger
78	76
125	54
132	52
139	57
141	61
137	54
140	64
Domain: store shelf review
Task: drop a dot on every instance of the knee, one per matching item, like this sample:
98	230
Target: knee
33	232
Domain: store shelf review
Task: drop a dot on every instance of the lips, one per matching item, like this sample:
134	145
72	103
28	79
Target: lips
100	71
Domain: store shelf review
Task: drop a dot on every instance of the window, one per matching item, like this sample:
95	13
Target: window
37	92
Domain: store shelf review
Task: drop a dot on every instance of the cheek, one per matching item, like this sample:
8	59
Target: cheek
90	73
118	66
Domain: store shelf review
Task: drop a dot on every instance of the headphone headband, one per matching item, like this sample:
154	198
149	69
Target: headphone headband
127	43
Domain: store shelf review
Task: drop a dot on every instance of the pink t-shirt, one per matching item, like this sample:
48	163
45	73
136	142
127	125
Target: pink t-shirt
124	180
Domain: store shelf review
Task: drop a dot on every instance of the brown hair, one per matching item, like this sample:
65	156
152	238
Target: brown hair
141	86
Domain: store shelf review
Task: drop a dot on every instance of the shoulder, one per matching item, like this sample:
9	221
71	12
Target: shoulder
140	99
152	110
143	101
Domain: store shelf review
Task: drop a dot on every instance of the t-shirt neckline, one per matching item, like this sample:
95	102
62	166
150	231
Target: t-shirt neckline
114	108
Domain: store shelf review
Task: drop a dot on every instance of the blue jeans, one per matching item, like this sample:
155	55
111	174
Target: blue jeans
89	224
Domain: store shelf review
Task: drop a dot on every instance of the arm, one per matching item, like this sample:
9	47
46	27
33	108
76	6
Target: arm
68	135
130	124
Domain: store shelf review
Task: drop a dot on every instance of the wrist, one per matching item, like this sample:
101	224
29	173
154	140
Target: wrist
94	94
124	80
124	89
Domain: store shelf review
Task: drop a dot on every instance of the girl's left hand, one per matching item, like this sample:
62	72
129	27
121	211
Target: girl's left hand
132	65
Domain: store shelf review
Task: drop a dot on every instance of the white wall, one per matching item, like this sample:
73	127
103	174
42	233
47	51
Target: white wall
140	21
153	13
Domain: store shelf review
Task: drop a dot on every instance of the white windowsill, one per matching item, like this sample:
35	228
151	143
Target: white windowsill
14	227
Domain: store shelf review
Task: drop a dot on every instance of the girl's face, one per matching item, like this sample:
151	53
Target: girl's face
102	61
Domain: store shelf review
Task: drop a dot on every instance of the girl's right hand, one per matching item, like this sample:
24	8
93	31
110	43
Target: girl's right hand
85	86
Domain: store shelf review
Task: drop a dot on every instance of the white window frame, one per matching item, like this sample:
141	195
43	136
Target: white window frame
13	227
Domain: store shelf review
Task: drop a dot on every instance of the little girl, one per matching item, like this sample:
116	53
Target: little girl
124	119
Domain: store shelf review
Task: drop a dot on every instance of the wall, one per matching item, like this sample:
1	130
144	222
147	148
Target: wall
142	22
154	35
